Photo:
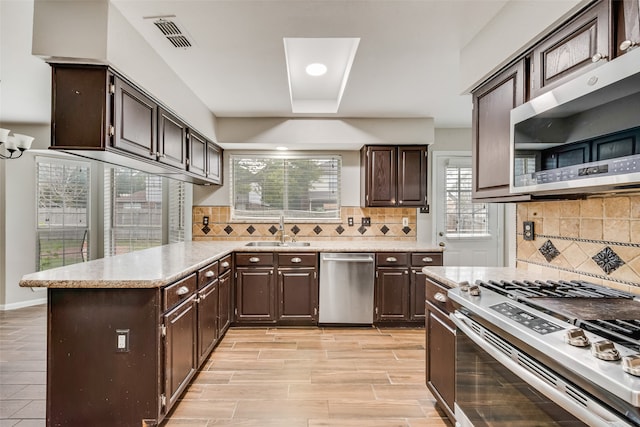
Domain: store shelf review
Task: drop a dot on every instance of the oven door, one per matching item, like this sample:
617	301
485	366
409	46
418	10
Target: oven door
498	385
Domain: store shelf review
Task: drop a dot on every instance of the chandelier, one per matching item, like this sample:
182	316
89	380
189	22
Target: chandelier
17	143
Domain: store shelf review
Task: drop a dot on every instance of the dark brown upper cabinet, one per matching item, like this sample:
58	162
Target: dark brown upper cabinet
98	114
626	15
492	105
393	176
576	47
172	140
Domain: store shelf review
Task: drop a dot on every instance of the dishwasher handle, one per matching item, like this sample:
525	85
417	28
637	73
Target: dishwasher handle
368	259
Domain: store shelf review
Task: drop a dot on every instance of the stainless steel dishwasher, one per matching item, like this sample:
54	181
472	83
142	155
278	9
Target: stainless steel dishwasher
346	288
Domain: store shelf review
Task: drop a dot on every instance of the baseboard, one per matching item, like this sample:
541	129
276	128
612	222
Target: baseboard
22	304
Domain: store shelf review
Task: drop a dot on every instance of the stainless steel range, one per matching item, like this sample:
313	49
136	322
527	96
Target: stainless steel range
546	353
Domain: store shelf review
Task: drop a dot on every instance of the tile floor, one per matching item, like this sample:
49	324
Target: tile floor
266	377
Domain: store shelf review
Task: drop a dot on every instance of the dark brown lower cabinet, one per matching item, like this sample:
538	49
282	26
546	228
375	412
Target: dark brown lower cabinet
224	303
180	358
441	347
392	294
208	330
255	295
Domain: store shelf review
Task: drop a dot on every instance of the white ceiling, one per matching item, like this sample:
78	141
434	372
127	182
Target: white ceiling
407	63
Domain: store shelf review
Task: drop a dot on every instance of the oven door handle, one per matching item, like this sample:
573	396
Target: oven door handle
594	413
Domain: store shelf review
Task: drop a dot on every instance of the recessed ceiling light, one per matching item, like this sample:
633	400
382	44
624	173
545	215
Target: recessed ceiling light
282	148
316	69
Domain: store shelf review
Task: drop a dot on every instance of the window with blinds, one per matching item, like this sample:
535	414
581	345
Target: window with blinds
133	211
63	196
176	210
462	217
301	187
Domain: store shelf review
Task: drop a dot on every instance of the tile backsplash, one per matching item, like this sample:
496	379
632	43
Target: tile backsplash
596	239
386	223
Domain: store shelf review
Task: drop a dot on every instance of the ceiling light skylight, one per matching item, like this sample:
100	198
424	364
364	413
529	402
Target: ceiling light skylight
316	69
308	93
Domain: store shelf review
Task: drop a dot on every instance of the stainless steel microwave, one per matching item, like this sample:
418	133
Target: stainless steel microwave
581	137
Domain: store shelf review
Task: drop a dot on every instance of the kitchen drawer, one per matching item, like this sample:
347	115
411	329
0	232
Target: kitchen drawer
207	274
297	259
423	259
436	294
392	259
255	259
179	291
224	264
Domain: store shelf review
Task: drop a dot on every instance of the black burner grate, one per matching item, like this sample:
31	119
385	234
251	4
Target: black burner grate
552	289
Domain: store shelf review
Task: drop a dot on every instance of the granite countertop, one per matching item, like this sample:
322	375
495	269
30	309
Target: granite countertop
453	276
162	265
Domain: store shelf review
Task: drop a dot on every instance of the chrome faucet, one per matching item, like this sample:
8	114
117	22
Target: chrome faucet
282	235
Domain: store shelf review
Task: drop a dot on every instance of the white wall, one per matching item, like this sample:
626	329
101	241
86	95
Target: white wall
19	242
518	24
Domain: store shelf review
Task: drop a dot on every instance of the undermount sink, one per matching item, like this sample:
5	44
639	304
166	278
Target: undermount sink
275	243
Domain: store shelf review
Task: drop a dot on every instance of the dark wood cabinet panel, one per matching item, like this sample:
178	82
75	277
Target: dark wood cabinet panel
255	295
135	121
392	294
207	320
416	310
380	175
82	89
298	296
197	154
570	50
225	303
393	176
214	163
180	358
172	140
492	104
626	15
412	176
440	343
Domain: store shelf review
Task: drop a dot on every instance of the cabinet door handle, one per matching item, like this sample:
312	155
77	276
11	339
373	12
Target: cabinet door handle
440	297
225	264
209	274
296	260
406	272
627	44
427	259
598	57
254	259
392	259
182	290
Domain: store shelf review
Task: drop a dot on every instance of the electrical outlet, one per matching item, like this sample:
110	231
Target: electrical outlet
405	221
205	220
350	221
366	221
122	340
424	209
528	230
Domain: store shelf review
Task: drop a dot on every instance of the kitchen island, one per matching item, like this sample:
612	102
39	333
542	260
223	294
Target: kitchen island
125	334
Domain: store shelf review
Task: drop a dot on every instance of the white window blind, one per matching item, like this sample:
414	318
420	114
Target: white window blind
133	211
176	211
301	187
63	195
462	217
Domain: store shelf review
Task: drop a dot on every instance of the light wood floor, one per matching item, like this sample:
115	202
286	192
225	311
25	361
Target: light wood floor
262	377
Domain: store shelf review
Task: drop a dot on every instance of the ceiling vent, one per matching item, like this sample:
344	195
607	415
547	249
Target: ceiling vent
172	32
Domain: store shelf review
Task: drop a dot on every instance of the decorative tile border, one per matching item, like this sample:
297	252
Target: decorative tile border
386	223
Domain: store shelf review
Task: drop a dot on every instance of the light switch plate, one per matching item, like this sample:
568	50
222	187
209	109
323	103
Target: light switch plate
366	221
122	340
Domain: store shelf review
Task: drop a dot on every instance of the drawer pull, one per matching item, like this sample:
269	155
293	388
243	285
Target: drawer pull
254	259
209	274
427	259
440	297
182	290
296	260
392	259
224	264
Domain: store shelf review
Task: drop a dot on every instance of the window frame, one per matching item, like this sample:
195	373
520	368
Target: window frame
235	217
